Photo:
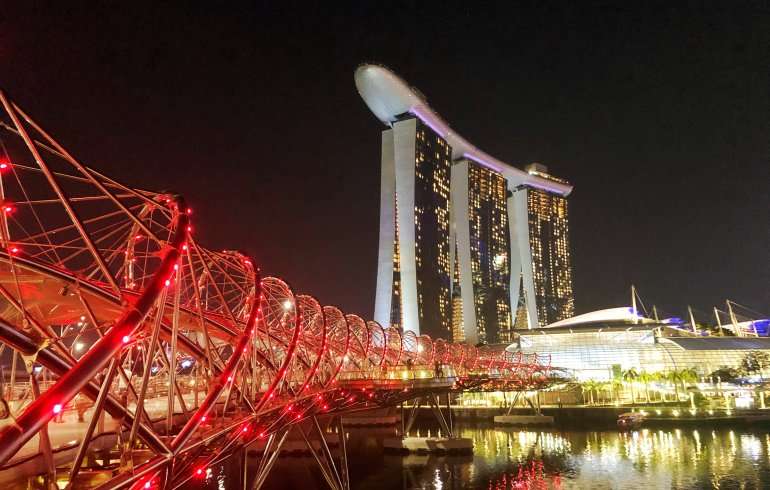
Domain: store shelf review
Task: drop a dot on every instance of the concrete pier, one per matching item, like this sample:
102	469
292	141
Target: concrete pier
429	444
370	420
294	445
524	420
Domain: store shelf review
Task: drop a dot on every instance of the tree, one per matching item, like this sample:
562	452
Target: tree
675	377
615	385
726	374
688	376
630	376
646	378
754	361
659	376
589	386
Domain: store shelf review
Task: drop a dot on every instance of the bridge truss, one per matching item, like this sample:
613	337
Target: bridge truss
119	330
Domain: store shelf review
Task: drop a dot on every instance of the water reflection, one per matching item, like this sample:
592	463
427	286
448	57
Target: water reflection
548	459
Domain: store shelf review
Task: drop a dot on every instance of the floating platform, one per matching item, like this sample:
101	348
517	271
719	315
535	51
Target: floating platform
370	420
295	445
524	419
428	444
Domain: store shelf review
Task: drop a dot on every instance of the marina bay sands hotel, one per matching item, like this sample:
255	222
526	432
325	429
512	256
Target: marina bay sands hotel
471	248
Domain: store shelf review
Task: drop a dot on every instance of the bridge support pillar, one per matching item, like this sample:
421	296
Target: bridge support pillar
269	457
446	444
336	475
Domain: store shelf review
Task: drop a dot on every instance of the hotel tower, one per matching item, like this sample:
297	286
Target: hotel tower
471	248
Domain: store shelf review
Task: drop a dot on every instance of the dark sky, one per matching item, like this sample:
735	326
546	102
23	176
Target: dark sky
658	115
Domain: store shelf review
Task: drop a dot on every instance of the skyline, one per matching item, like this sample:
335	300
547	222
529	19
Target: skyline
679	140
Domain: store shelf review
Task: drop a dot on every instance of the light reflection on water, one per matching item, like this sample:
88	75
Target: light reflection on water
506	458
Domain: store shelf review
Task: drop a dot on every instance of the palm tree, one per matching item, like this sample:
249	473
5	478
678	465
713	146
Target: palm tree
604	387
630	376
590	386
645	378
614	387
611	386
674	376
687	377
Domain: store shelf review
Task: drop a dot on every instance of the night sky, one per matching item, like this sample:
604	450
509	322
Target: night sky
658	116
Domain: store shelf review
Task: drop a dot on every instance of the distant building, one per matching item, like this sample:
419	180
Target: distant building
604	344
508	243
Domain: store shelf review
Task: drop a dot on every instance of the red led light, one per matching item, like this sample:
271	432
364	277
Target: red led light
14	250
200	472
57	408
126	339
3	166
189	210
168	282
203	418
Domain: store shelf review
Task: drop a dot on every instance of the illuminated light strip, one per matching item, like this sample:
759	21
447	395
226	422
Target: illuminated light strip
337	370
431	124
200	415
317	363
289	356
40	411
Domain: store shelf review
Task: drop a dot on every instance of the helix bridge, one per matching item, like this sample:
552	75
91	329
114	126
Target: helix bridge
134	357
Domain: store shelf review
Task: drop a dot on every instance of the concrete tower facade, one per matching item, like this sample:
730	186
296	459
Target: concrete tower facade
480	239
413	277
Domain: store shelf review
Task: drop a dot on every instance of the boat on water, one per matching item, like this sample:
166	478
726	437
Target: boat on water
630	420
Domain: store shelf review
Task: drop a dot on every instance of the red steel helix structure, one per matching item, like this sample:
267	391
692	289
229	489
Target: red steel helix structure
118	330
